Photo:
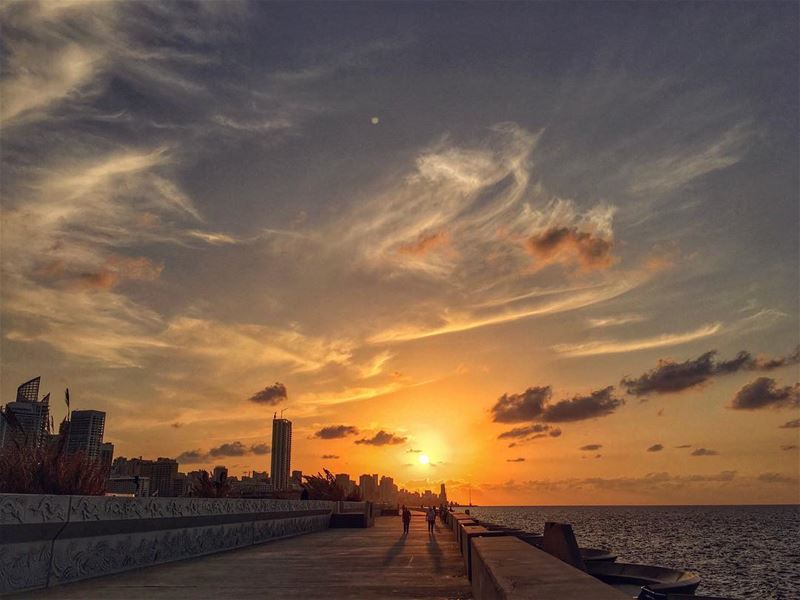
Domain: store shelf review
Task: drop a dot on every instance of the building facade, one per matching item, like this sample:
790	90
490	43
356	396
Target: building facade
86	429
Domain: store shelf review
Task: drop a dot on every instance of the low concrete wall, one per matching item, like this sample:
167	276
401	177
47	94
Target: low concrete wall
50	540
468	533
505	568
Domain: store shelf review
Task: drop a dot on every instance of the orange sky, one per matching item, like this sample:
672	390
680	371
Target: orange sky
416	229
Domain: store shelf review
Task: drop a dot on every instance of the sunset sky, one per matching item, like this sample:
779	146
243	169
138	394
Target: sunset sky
554	247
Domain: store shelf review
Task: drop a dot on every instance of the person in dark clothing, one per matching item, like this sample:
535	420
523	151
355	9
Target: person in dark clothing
406	519
431	518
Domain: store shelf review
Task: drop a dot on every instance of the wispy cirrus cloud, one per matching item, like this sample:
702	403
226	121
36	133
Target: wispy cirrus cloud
476	211
614	321
676	169
596	347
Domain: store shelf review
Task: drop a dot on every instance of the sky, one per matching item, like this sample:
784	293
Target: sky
551	246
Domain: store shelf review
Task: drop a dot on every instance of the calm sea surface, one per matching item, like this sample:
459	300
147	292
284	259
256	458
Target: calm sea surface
740	551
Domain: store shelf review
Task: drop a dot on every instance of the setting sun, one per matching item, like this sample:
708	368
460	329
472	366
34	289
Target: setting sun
423	459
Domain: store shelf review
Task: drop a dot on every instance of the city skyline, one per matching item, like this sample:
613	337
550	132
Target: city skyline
549	263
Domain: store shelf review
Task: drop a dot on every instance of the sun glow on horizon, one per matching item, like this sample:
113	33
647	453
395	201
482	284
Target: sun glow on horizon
423	459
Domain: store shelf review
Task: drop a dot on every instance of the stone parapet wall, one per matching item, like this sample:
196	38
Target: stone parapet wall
50	540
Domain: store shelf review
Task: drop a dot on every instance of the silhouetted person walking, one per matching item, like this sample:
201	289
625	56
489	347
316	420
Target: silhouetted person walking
431	518
406	519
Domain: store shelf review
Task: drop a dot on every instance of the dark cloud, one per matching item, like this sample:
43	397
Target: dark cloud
272	395
655	448
704	452
517	408
529	433
515	459
793	424
330	456
224	450
588	447
570	244
534	405
176	425
336	431
382	438
413	451
523	432
767	364
231	449
191	457
671	377
597	404
789	447
776	478
764	393
684	446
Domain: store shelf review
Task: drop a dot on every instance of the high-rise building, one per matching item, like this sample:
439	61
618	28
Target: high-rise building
162	474
86	432
369	486
281	453
29	391
26	421
388	490
345	484
442	495
220	474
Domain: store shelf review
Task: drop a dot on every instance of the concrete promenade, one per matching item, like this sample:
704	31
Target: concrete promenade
378	562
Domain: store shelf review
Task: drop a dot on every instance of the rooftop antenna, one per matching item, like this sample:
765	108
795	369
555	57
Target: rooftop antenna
275	415
283	409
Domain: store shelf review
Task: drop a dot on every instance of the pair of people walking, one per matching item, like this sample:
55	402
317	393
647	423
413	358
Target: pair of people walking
430	518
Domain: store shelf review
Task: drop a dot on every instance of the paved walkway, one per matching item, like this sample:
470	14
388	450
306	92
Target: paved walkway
378	562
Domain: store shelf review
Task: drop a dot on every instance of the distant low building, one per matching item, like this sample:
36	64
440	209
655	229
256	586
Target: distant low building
128	486
248	488
162	473
180	485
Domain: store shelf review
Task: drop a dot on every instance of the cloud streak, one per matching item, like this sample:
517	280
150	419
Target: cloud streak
597	347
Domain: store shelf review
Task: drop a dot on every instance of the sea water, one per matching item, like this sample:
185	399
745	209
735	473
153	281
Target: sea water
739	551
